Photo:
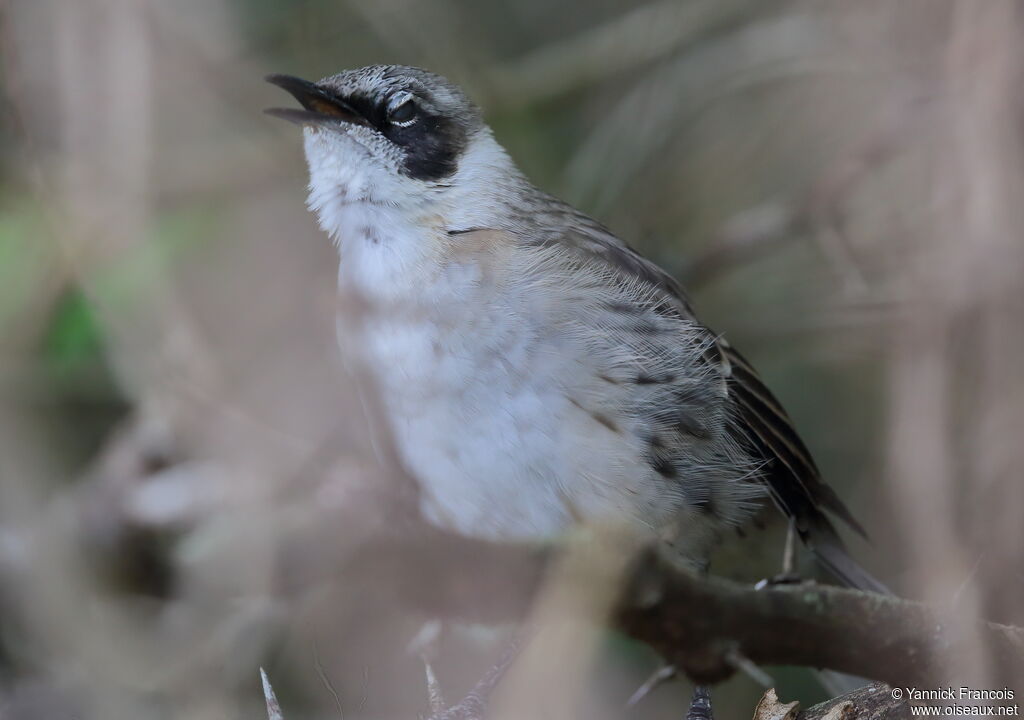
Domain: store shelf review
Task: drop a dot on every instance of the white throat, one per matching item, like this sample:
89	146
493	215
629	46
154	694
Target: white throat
390	229
349	187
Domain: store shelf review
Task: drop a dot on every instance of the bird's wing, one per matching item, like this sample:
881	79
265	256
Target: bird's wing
789	471
793	476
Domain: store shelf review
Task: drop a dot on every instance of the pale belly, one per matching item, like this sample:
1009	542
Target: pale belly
485	419
518	411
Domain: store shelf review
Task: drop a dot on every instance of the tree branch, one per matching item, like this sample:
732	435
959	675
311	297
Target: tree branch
871	702
701	625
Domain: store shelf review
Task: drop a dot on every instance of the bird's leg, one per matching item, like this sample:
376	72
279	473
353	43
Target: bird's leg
790	555
700	704
789	575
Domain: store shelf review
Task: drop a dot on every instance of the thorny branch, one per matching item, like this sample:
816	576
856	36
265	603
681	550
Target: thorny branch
871	702
701	625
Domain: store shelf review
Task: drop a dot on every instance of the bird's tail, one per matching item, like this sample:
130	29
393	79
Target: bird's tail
829	550
822	540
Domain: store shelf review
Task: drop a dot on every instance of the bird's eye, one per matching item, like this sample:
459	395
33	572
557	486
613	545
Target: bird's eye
402	109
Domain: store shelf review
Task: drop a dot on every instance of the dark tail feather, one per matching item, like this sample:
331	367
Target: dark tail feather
829	550
837	561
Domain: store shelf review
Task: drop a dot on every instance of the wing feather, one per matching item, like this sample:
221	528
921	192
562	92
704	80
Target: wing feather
792	477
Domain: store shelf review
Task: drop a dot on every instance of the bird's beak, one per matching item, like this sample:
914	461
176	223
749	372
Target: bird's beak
321	107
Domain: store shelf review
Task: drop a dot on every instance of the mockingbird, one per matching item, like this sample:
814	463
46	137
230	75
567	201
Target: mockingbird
536	370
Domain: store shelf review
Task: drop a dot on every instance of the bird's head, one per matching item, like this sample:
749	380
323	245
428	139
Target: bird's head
394	137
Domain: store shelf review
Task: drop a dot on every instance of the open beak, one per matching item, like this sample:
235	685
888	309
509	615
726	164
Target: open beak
321	107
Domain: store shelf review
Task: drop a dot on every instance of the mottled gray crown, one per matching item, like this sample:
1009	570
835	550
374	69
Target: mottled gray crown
438	94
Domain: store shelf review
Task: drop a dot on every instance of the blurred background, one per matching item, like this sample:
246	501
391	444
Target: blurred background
838	184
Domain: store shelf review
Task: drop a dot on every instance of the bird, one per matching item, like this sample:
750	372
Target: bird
535	370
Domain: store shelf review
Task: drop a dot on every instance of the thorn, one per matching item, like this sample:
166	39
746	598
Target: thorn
658	677
493	676
273	708
474	705
435	697
745	665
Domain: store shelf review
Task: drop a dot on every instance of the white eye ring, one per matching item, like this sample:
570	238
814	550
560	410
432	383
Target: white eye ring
397	101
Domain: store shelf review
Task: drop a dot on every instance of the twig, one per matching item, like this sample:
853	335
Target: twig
696	623
662	675
628	41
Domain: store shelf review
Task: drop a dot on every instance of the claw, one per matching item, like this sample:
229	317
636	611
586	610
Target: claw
781	579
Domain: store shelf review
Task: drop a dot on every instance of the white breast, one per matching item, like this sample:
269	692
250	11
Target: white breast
479	388
509	379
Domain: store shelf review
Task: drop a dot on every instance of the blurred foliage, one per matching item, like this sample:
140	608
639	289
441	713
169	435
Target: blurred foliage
667	200
74	341
665	131
73	386
23	258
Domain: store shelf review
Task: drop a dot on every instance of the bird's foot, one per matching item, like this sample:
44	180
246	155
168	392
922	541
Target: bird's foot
789	574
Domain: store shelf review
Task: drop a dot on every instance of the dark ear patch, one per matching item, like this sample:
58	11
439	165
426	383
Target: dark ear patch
432	143
432	146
